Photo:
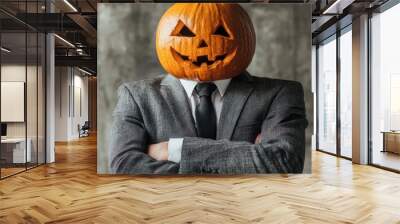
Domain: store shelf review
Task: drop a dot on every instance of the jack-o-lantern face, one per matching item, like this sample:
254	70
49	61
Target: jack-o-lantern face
205	41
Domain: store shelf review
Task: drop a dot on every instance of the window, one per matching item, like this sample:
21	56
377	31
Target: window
327	96
346	93
385	89
334	66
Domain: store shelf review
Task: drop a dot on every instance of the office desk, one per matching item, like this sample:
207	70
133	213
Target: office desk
391	141
13	150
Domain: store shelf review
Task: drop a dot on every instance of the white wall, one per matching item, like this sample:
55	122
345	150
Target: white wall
80	110
34	125
12	73
70	109
62	81
18	73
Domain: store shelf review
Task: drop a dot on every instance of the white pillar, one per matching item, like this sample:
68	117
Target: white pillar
50	92
360	89
50	99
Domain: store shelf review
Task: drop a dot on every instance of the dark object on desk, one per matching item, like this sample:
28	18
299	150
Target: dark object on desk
3	129
391	141
84	130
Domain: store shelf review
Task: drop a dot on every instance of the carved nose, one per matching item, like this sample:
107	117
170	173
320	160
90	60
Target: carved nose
202	44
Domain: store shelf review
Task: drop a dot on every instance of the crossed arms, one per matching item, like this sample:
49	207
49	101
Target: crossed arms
279	150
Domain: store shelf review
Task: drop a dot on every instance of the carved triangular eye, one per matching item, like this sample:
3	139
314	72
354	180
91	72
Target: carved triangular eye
182	30
221	31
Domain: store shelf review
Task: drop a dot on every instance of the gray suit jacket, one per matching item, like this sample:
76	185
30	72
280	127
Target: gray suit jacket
152	111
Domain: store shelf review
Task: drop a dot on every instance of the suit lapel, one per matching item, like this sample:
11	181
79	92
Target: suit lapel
179	103
234	99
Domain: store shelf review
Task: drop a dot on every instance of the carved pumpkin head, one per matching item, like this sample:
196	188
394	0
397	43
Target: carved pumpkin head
205	41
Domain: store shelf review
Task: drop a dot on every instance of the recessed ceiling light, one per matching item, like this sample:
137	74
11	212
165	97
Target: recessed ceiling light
64	40
70	5
337	7
84	71
5	50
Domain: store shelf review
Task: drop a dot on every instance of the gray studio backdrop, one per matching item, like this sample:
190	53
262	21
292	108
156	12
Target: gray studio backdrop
126	52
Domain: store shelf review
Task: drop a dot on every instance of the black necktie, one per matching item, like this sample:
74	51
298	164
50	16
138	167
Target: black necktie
206	118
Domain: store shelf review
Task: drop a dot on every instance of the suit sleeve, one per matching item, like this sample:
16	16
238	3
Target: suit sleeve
128	149
281	149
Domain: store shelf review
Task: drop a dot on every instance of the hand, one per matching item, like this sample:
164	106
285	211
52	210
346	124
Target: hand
158	151
258	139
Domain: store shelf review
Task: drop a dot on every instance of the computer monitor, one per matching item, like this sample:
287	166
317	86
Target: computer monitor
3	130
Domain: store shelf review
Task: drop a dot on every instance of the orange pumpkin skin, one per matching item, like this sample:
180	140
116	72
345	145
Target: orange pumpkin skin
205	41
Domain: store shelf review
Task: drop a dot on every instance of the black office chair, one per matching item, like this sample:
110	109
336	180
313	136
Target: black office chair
84	130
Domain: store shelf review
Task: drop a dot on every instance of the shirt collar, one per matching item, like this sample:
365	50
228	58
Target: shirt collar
189	85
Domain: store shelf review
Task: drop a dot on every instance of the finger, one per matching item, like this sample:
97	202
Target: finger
258	139
152	151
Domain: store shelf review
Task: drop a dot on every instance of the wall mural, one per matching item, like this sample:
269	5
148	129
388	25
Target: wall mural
205	112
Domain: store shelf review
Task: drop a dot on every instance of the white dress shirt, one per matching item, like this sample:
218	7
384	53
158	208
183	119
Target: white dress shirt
175	144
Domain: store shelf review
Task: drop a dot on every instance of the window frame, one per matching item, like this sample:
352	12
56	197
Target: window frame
333	37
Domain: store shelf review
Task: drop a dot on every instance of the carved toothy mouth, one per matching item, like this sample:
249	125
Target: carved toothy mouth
200	60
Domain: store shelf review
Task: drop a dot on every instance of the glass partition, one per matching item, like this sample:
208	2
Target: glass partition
23	91
14	145
32	96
